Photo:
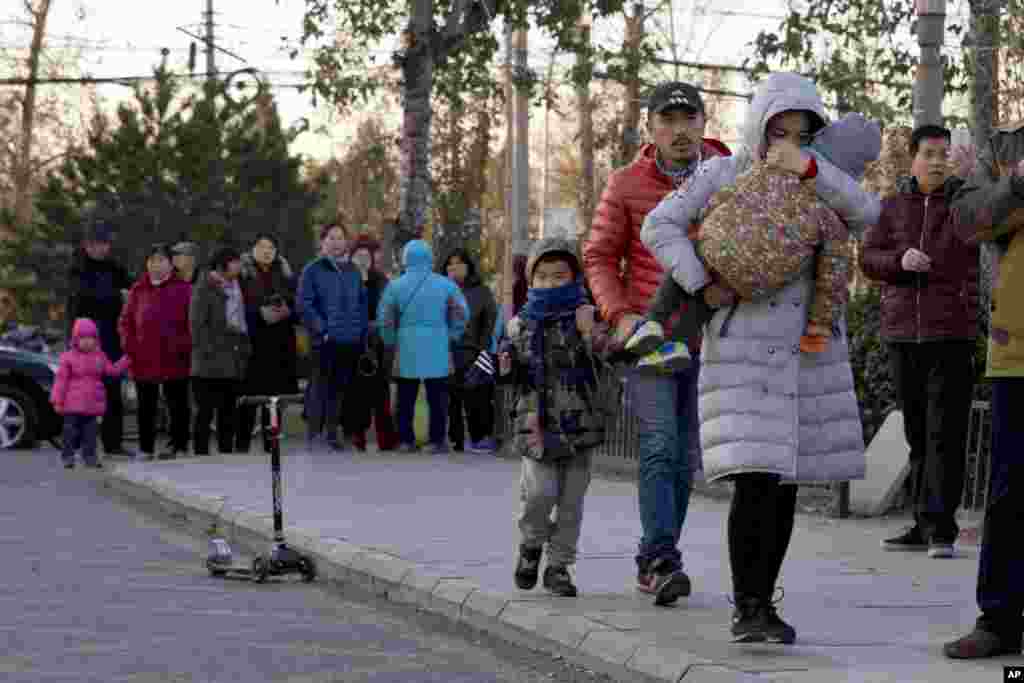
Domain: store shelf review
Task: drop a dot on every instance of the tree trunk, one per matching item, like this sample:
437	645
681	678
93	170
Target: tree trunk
630	142
586	190
23	170
545	187
984	39
476	168
414	183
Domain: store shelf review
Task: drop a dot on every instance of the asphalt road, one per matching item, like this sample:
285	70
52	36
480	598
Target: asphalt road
94	590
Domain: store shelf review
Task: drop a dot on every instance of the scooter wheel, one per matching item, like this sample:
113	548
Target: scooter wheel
215	570
260	570
308	569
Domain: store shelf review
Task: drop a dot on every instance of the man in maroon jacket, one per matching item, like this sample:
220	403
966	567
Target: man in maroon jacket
623	276
930	322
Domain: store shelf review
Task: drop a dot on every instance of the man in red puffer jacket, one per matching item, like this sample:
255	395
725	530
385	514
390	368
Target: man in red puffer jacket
623	276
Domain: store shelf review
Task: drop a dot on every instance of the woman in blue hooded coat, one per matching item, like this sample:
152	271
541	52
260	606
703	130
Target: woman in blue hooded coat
419	314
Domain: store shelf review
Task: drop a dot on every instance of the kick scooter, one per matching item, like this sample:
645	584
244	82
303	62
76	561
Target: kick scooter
282	559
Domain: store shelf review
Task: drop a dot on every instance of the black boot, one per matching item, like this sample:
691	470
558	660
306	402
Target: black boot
747	622
528	567
558	581
775	629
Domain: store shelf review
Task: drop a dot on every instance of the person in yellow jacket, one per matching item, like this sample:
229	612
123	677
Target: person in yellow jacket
990	208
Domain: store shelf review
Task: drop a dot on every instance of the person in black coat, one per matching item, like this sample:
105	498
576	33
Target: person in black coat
98	289
268	289
370	402
476	403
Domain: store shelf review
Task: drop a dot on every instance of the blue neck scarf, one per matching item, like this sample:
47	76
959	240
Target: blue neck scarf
555	303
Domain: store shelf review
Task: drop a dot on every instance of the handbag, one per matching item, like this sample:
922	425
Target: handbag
367	365
482	372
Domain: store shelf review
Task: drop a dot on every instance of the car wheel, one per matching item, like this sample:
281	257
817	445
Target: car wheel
18	418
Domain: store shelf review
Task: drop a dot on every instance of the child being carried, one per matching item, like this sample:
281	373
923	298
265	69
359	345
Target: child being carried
758	236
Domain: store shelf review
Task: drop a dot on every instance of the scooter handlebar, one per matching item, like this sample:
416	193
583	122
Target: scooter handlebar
282	400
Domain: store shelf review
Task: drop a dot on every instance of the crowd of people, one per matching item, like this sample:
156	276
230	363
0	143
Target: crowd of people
199	337
740	363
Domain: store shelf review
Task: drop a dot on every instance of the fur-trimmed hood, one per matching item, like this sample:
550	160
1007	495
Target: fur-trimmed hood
249	265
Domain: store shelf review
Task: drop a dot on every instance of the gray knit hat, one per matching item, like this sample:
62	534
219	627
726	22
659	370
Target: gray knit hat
552	245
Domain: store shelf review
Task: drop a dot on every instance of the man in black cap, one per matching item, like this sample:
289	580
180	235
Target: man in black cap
665	405
98	287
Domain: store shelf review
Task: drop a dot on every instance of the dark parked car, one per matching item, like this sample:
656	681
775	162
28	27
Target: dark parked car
26	415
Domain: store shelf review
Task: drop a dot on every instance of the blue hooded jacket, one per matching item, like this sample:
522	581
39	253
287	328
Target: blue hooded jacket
332	301
420	313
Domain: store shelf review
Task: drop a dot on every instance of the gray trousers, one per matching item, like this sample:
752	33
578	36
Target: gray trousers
557	486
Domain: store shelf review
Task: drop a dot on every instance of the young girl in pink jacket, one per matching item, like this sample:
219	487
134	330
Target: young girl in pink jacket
78	393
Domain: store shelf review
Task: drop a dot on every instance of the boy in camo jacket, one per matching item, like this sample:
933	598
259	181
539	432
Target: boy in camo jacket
759	235
549	356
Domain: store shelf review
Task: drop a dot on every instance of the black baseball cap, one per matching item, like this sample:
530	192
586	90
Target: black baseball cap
674	94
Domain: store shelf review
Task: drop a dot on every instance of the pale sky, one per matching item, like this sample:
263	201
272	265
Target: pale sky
120	38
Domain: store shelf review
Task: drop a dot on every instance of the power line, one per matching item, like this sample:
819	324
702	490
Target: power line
213	45
737	13
100	80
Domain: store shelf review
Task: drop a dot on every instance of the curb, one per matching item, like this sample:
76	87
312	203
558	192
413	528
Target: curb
622	655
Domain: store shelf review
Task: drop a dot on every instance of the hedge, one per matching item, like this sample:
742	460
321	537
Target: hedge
876	392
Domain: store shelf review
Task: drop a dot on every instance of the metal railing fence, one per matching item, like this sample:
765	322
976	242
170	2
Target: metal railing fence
619	452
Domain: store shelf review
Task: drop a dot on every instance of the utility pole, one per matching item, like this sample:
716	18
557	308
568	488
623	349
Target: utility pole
211	66
931	20
521	156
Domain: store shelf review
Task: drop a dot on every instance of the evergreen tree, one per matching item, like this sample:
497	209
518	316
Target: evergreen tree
170	166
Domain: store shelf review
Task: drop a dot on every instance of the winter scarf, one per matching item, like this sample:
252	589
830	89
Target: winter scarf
678	175
235	306
555	305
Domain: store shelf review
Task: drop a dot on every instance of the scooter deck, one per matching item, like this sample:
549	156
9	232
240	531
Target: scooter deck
307	570
236	571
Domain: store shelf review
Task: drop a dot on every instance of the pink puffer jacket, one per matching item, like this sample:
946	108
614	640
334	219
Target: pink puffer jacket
78	389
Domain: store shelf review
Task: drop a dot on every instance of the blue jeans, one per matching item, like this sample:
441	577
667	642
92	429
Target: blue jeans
666	408
1001	563
437	402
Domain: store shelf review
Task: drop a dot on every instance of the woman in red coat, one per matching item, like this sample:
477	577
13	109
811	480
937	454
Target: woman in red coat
155	335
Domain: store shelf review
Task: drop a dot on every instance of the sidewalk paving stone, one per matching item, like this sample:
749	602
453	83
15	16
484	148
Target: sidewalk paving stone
440	533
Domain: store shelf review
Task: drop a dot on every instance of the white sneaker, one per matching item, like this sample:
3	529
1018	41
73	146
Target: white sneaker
646	338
